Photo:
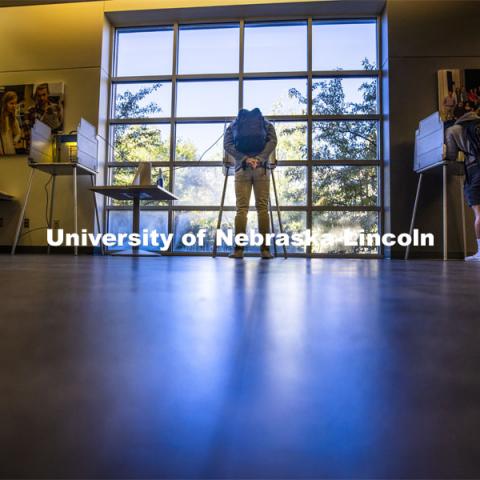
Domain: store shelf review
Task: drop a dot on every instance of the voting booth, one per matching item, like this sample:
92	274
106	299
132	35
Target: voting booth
69	154
78	147
429	143
430	154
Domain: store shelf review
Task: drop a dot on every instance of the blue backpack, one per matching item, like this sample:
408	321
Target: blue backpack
250	132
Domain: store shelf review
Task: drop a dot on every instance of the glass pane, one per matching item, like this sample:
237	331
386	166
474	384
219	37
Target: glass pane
293	222
120	221
338	96
345	140
276	97
141	143
344	46
201	186
143	100
125	176
291	185
207	99
145	53
195	139
207	49
276	47
345	185
192	222
292	140
329	230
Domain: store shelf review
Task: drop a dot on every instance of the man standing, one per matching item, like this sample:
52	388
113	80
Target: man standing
464	136
250	140
449	103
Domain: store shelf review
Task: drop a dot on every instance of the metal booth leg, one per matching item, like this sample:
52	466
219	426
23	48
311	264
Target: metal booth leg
445	213
272	224
414	213
22	213
52	200
280	225
75	207
97	217
220	213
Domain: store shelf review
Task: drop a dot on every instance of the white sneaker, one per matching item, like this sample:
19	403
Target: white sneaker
473	258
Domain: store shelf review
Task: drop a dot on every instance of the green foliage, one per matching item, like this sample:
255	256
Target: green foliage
342	140
144	143
336	140
185	150
344	185
332	140
131	104
140	143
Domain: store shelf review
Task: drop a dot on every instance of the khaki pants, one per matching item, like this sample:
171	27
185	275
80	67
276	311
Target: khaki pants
259	179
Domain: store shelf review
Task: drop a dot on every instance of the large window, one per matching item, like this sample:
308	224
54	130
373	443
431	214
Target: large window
175	88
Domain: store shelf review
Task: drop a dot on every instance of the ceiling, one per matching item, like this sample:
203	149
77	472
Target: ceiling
20	3
337	7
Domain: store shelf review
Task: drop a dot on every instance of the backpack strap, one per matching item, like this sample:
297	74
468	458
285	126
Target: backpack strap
473	136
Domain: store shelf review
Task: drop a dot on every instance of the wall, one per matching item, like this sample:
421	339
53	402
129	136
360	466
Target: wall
126	5
423	37
71	42
151	12
42	44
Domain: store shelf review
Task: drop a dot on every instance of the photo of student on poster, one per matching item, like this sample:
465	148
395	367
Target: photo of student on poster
21	106
458	93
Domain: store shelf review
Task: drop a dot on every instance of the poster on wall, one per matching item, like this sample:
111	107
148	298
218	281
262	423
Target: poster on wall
21	106
458	93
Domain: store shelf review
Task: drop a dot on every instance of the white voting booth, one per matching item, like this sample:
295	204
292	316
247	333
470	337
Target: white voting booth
70	154
429	143
430	154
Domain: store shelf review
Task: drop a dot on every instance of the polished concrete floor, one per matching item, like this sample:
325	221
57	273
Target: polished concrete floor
199	368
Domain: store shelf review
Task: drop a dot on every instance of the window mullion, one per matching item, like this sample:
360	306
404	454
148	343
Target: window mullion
309	130
173	114
241	66
308	118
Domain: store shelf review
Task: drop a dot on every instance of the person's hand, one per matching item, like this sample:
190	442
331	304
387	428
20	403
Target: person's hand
252	162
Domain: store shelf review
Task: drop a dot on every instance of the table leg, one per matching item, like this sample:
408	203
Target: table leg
135	251
22	213
136	220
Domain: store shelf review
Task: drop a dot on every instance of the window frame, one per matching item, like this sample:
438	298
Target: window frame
310	75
